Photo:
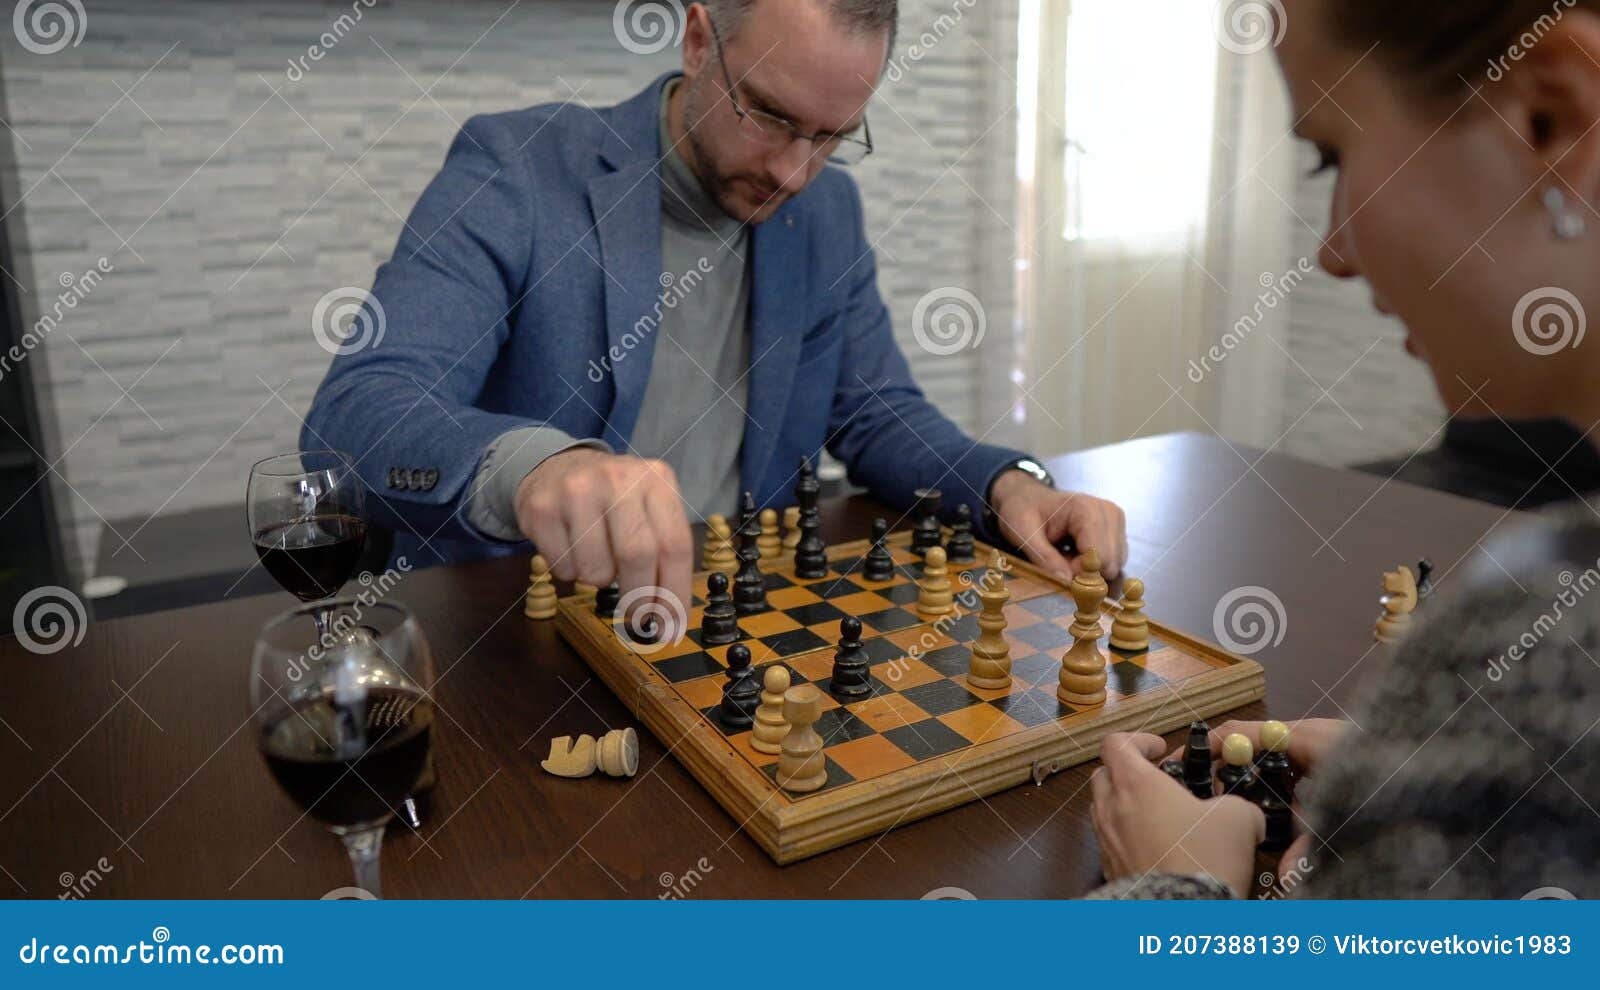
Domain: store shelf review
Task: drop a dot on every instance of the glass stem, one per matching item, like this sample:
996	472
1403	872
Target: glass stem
320	617
365	848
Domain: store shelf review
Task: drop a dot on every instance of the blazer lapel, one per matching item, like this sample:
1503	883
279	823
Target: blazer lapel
777	323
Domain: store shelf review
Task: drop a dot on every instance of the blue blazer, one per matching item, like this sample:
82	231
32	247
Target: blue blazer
527	263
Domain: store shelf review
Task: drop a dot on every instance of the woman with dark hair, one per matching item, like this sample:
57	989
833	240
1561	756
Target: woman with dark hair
1466	136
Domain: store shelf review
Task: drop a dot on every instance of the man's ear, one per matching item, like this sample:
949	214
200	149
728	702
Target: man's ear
699	47
1553	94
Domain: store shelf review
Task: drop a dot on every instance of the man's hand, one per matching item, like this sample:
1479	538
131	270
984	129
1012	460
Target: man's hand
1148	823
599	518
1035	517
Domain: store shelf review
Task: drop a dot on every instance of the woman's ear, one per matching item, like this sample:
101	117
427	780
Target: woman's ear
1549	92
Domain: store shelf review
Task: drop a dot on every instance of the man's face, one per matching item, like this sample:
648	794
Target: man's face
787	59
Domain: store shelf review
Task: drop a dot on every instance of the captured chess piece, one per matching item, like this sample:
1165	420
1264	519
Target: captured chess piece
960	549
540	602
571	758
927	533
1275	786
749	584
791	532
1399	601
770	543
742	694
1197	762
720	624
1130	630
606	600
770	727
1083	668
810	553
801	766
934	597
852	676
615	754
1238	775
879	562
989	666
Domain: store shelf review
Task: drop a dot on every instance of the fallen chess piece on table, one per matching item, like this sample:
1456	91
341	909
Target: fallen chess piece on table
616	754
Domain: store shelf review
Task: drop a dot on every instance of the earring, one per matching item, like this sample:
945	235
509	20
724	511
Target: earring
1569	224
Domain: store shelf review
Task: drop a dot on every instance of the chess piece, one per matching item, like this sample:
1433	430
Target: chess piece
990	663
1197	761
749	584
1083	668
708	551
791	532
719	625
606	600
852	677
742	694
879	562
801	766
960	549
617	753
1130	630
571	758
810	553
583	589
720	555
770	727
540	602
1424	578
1399	601
769	542
1275	786
1238	775
1174	768
934	597
927	533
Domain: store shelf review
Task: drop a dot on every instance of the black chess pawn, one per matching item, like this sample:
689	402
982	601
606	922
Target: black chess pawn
741	696
1197	761
720	625
927	534
1238	775
960	549
749	584
879	563
810	554
852	677
605	601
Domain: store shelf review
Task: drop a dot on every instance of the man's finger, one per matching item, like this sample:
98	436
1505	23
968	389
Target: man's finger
675	565
1034	539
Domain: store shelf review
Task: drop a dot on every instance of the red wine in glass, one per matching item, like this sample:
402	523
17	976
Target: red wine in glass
307	519
312	558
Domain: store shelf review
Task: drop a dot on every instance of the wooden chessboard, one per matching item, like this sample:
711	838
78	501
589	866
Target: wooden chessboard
924	740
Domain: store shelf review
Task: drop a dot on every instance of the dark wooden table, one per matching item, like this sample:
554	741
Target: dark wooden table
133	750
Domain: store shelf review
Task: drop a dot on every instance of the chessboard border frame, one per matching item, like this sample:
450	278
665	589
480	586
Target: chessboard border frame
792	828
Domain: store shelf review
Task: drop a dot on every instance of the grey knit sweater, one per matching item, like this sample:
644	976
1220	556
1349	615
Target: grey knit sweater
1473	767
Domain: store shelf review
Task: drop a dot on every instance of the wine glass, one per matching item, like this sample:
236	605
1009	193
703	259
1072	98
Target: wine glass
342	700
307	521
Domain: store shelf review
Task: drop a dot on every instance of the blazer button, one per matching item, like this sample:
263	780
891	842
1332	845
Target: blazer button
415	480
394	480
430	478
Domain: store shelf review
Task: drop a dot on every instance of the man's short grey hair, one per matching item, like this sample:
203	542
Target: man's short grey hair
865	16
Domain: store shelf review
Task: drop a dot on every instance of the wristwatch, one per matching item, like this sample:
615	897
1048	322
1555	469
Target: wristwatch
1026	465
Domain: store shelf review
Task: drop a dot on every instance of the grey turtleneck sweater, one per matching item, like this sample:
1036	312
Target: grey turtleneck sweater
694	405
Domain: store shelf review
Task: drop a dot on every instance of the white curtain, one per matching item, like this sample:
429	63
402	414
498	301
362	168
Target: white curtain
1149	223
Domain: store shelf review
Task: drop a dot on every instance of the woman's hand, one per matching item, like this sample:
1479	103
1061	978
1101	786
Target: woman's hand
1148	823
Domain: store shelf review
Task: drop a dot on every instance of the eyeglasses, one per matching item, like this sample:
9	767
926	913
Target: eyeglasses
775	131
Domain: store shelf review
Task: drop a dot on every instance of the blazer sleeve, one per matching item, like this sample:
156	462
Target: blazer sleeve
402	402
890	437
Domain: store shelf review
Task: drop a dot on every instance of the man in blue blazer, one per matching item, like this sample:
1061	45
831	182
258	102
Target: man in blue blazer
597	319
